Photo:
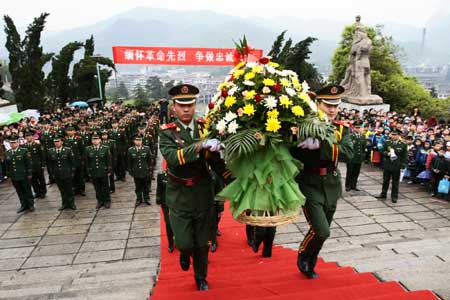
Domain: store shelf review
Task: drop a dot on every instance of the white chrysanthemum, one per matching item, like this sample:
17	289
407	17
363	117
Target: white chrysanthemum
266	90
232	90
249	83
251	64
221	126
228	77
270	69
232	127
290	73
230	116
291	92
305	86
270	102
313	106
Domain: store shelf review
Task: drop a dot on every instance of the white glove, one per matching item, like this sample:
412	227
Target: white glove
310	144
393	155
212	145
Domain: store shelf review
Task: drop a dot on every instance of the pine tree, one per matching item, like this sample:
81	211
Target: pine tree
122	91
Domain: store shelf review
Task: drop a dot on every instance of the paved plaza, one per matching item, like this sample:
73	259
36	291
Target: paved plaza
114	254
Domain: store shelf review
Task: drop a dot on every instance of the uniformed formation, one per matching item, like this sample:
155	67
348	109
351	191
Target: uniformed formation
78	147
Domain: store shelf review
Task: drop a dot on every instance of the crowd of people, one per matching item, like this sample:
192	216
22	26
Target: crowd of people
77	145
426	159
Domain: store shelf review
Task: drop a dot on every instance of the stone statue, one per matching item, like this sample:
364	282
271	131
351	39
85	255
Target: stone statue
357	81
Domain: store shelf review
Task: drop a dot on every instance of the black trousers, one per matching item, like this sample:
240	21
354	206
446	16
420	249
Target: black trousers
65	187
79	185
387	175
120	167
351	179
101	189
142	188
23	189
169	231
38	183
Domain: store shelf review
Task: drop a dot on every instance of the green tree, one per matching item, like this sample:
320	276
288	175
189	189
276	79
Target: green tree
122	91
58	80
296	58
84	78
140	95
26	60
388	79
154	87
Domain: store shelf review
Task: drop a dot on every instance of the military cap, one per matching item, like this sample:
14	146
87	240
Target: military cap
13	138
330	94
95	135
396	131
141	126
113	121
45	121
70	127
28	133
57	138
184	93
82	123
137	137
357	123
104	132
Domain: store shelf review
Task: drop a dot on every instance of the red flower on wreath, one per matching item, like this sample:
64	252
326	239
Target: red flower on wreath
264	60
258	98
277	87
211	105
224	93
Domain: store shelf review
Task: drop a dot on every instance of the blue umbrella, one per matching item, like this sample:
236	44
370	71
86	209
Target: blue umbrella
79	104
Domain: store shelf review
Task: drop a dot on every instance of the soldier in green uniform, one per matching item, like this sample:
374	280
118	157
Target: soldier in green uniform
118	135
19	169
359	154
57	128
46	139
86	142
111	145
320	180
394	158
190	190
37	154
98	159
75	143
139	163
63	166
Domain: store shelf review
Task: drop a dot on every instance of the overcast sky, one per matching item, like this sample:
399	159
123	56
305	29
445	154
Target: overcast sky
68	14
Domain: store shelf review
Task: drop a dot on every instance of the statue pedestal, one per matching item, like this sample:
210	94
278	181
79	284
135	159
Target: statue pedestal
362	107
362	100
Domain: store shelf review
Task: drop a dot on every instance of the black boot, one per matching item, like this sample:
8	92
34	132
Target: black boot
202	284
268	241
306	265
185	261
249	233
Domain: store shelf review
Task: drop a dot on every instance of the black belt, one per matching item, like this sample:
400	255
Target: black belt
185	181
319	171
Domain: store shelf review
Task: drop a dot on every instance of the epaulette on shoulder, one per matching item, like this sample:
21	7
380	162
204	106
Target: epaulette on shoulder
201	121
168	126
341	123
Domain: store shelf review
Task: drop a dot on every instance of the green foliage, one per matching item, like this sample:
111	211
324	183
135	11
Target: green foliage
84	81
26	60
122	91
58	81
388	80
140	95
156	89
243	143
295	58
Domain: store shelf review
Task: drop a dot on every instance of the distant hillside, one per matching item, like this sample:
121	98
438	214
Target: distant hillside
151	26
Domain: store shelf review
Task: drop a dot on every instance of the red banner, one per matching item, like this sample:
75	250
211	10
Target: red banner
179	56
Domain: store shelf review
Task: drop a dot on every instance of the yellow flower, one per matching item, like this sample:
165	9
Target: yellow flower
250	95
273	64
257	69
273	125
273	114
268	82
298	111
249	76
285	101
238	73
230	101
249	110
296	84
321	114
284	82
240	65
305	97
223	85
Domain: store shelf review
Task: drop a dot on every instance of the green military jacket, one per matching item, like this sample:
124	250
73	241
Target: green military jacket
76	145
183	161
111	144
328	188
61	162
98	161
85	137
120	137
400	150
359	148
37	154
139	161
46	139
18	164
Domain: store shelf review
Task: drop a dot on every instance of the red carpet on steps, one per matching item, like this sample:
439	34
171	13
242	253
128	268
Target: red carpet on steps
235	273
